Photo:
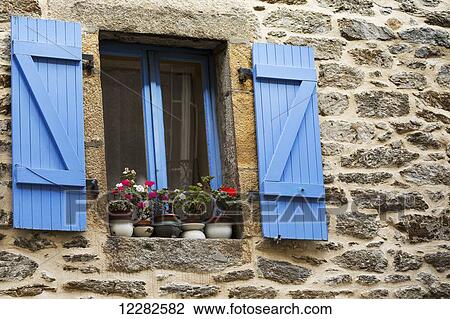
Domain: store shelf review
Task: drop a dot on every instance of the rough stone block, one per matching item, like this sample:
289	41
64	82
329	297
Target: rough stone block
368	260
282	271
15	267
381	104
298	20
125	288
190	291
252	292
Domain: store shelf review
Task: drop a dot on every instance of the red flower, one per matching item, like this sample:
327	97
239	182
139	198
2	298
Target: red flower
126	182
114	191
141	205
152	195
120	188
232	192
165	197
149	183
128	196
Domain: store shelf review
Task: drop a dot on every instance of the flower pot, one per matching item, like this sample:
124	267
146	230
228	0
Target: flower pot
120	224
219	227
167	229
193	231
120	227
120	215
167	225
193	234
219	230
143	228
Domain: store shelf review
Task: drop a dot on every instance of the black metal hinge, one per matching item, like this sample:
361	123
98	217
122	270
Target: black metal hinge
88	62
245	74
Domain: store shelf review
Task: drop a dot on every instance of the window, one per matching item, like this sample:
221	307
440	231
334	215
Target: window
159	114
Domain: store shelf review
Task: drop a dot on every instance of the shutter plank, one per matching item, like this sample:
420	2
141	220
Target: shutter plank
305	151
43	67
269	226
59	215
272	129
283	115
294	227
80	221
52	218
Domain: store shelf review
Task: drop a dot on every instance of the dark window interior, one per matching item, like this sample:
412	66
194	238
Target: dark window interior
184	123
123	117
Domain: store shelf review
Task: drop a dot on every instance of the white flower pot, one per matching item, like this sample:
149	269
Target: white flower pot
193	234
143	231
219	230
122	228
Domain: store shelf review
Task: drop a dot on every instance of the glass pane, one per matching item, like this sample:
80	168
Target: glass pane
184	123
123	117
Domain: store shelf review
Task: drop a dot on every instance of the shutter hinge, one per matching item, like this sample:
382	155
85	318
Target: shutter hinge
245	74
92	188
278	239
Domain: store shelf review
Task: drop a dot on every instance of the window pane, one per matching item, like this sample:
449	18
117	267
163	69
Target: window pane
184	123
123	117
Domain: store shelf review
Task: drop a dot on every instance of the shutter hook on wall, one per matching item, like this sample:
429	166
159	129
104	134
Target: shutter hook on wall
88	63
245	74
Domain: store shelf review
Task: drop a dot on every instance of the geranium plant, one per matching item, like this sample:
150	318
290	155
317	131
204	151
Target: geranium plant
133	195
227	198
120	206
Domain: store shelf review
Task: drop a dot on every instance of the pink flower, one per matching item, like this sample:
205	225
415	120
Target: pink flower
141	205
165	197
126	182
149	183
120	188
152	195
128	196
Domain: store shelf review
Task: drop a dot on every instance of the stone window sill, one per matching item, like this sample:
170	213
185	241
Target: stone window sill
134	254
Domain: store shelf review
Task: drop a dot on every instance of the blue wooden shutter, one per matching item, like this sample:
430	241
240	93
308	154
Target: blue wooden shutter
47	124
288	138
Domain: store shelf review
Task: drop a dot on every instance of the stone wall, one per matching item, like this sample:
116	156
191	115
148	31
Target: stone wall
384	82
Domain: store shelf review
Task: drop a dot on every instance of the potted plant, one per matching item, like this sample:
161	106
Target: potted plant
144	210
195	204
226	200
143	224
165	222
120	217
129	198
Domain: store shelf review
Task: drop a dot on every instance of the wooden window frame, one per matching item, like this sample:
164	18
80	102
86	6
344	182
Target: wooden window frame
150	57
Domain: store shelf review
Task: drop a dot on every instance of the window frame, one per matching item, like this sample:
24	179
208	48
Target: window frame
150	56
